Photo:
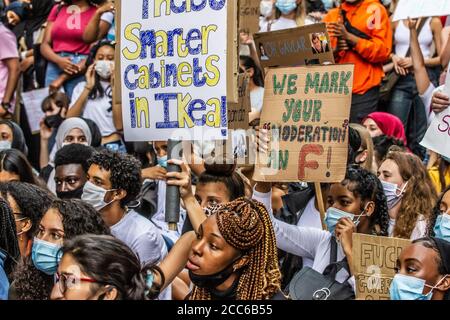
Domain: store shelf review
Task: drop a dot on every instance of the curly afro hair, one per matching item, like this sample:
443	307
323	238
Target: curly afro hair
74	153
32	200
125	172
79	218
367	186
30	283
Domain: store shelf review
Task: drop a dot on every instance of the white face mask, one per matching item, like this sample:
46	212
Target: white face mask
95	196
266	8
5	145
393	194
103	68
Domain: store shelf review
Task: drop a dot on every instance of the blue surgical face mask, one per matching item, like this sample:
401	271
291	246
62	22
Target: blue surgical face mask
442	227
410	288
328	4
333	216
5	145
46	256
162	161
286	6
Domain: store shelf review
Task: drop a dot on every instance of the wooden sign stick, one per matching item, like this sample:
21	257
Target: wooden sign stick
319	198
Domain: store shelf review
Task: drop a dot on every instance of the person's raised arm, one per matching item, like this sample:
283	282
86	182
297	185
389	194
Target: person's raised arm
77	108
45	135
436	28
445	52
183	181
420	71
98	28
176	260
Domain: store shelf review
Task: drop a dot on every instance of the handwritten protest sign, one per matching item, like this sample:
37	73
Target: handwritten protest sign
306	45
306	110
421	8
437	138
374	260
32	101
173	59
249	16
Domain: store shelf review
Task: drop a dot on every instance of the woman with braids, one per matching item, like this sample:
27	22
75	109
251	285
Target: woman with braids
9	247
65	219
439	223
29	203
101	267
357	204
423	271
410	194
234	256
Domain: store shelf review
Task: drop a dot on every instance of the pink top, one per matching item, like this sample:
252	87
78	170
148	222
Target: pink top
8	50
68	27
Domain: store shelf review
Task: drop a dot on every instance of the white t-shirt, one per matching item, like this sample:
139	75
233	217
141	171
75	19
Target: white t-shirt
420	230
141	236
426	98
280	24
109	18
257	99
98	110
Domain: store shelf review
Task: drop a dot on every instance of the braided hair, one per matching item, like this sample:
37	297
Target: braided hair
8	238
245	224
369	188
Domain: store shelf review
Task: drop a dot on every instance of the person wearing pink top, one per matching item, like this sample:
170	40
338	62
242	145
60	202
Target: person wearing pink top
63	44
9	70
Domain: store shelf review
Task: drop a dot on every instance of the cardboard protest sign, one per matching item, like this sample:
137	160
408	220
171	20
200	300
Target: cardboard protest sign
308	45
306	110
374	260
421	8
249	16
174	62
232	52
238	123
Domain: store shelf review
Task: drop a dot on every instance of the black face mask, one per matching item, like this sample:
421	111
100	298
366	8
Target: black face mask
73	194
214	280
53	121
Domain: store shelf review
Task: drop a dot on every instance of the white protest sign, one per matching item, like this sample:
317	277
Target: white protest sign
437	138
32	100
173	57
421	8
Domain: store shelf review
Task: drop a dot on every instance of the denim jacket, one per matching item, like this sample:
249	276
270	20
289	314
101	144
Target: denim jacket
4	282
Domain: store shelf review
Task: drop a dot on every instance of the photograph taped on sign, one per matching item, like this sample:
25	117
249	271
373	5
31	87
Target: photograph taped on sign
294	47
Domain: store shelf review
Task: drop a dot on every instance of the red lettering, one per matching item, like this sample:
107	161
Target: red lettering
307	149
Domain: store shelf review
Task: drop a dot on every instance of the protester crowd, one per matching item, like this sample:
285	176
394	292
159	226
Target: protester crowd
82	210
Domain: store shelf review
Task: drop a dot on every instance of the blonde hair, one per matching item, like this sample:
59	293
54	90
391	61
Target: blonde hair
300	14
246	225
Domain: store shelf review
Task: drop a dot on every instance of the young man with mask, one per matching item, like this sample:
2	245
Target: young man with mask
361	34
114	180
71	167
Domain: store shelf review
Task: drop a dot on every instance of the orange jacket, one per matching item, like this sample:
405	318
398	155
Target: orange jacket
368	56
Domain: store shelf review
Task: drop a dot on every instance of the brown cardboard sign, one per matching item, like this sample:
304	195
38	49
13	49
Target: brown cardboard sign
238	112
374	261
308	45
306	110
232	52
249	16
